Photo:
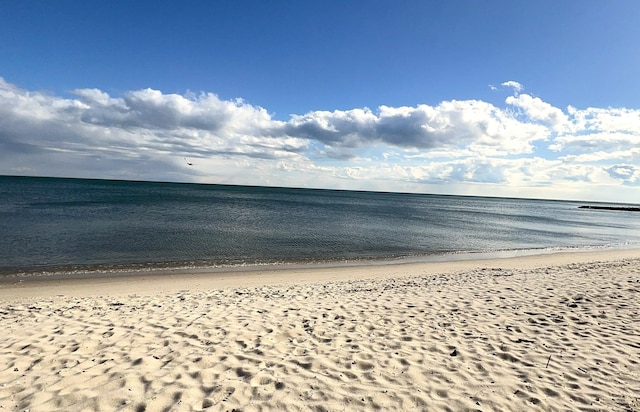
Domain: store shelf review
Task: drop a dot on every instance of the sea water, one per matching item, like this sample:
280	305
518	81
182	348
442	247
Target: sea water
55	225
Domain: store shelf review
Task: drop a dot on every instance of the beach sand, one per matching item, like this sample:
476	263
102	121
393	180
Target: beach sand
550	332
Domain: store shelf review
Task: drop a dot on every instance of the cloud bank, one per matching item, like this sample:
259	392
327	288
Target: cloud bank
526	147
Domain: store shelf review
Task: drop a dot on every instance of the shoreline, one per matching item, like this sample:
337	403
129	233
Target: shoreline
171	280
101	270
549	332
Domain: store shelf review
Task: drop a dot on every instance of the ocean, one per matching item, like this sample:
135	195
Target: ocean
56	225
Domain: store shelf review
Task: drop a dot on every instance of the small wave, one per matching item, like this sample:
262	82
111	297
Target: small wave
168	268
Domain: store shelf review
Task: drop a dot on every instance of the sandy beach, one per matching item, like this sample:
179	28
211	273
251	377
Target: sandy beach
557	332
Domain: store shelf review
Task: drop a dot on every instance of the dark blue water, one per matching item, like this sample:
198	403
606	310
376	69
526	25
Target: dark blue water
56	225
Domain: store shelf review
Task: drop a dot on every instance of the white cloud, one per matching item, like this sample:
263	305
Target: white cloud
537	110
606	120
451	124
144	120
602	141
517	87
456	145
631	154
628	173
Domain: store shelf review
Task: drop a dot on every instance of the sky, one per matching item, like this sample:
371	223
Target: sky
535	99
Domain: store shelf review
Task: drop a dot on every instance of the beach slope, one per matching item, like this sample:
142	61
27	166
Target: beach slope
552	332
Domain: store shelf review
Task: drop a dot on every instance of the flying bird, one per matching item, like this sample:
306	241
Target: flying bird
188	162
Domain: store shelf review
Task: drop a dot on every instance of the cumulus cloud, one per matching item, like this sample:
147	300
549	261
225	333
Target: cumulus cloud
600	129
537	110
606	120
145	134
451	124
517	87
145	120
626	172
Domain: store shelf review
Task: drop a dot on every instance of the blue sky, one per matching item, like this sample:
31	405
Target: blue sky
502	98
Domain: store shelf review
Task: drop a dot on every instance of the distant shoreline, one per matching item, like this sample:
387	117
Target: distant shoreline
627	209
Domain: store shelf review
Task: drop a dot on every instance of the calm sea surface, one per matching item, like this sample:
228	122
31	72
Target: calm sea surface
59	225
